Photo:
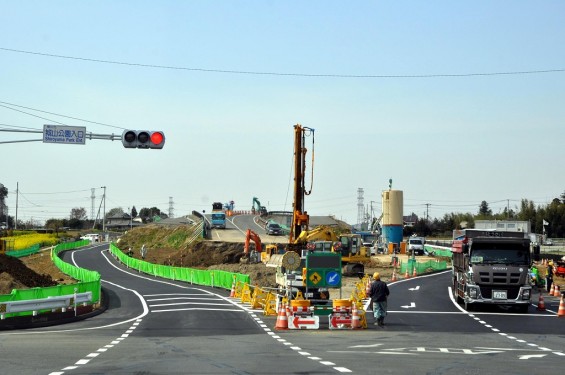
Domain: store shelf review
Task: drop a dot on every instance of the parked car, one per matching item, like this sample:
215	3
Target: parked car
274	229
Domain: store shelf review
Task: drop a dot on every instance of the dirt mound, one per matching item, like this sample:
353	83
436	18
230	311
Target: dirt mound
212	255
15	274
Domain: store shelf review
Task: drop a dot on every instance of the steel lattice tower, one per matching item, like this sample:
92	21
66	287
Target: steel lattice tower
171	208
360	206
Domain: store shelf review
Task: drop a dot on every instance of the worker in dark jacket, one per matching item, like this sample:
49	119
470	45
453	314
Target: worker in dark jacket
379	293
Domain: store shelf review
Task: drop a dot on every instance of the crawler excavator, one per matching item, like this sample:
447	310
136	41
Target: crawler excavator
348	245
261	253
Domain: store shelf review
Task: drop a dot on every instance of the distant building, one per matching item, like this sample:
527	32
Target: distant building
410	220
506	225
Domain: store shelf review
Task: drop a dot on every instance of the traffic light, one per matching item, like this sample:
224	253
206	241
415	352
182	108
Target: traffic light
143	139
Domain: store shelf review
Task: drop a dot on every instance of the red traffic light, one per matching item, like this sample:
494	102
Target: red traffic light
143	139
158	138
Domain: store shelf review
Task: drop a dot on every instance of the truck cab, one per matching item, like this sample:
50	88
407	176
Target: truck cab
492	268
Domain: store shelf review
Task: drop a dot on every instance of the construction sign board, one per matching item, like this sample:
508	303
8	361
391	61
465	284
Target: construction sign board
304	322
323	270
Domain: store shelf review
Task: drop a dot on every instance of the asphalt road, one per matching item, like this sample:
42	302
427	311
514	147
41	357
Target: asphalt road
156	326
236	227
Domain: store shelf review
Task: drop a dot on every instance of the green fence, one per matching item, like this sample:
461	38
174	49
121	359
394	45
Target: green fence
23	252
439	251
89	282
214	278
422	267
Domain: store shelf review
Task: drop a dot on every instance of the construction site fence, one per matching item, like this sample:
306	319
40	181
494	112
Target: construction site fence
421	267
213	278
23	252
89	281
439	251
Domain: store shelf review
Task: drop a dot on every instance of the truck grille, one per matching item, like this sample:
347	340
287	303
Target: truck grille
500	278
512	292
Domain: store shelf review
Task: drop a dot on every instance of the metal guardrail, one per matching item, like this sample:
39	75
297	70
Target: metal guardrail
35	305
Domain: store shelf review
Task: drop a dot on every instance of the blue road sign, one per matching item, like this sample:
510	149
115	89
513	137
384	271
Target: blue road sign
333	278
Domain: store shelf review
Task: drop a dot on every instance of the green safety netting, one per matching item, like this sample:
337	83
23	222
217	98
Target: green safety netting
89	282
214	278
439	251
23	252
421	267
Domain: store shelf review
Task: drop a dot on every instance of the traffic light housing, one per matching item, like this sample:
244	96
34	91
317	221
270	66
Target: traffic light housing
143	139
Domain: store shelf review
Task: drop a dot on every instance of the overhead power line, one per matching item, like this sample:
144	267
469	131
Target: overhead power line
228	71
6	105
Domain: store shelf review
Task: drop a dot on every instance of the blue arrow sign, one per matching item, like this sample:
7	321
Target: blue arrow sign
333	278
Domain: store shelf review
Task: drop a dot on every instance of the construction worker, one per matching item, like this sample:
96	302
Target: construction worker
379	293
549	276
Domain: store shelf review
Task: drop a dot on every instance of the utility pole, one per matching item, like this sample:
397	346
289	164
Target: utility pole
17	198
427	212
92	197
104	212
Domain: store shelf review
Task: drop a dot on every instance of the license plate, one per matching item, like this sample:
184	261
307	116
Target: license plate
499	294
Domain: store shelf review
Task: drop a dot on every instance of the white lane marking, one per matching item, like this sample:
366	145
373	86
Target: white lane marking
240	307
412	305
196	309
531	356
365	346
191	303
415	289
342	369
203	298
450	292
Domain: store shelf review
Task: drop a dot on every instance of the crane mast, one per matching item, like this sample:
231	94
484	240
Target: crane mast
300	217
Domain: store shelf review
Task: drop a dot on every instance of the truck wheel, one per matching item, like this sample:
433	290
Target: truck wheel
468	306
455	293
523	309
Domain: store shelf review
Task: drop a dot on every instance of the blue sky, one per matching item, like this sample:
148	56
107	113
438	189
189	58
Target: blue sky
345	69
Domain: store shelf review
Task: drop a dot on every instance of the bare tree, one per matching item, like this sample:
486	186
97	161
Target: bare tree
78	213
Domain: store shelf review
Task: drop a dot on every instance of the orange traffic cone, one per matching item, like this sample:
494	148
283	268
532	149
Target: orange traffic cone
368	288
541	303
561	311
393	278
552	289
282	319
355	320
414	274
556	291
232	293
406	274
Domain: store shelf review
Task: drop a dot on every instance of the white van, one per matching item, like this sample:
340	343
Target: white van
416	245
92	237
